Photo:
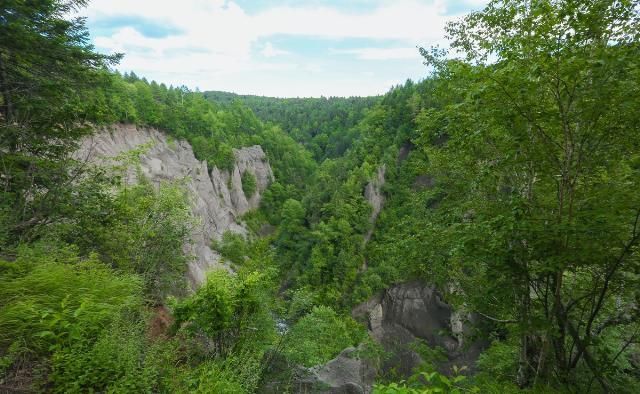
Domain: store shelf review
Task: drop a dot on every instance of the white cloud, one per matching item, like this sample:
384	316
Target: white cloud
380	53
218	37
270	51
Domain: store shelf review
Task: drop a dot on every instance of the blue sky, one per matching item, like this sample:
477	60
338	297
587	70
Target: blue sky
280	48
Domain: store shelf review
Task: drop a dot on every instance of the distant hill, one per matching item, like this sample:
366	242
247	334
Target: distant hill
321	124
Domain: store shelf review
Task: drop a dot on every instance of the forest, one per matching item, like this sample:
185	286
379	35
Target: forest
507	178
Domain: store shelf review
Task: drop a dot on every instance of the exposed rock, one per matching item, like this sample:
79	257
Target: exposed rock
408	312
346	374
217	198
425	181
373	194
404	151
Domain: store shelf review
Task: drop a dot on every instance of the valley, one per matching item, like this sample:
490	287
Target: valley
477	230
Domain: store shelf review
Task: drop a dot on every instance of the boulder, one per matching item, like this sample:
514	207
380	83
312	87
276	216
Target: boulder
348	373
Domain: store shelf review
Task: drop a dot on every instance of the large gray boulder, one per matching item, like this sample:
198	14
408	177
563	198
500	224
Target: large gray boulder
348	373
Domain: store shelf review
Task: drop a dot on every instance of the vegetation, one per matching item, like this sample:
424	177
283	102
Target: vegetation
325	126
249	184
511	177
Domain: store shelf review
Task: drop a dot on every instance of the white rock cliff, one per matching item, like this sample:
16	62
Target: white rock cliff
217	198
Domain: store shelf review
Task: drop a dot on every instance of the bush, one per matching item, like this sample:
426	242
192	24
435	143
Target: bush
428	383
229	309
113	363
320	335
239	373
500	361
54	303
58	303
249	184
233	247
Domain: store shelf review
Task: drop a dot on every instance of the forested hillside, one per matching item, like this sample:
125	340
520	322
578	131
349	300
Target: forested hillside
325	126
486	219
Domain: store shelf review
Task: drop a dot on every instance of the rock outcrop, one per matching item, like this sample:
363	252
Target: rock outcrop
217	197
400	316
373	194
348	373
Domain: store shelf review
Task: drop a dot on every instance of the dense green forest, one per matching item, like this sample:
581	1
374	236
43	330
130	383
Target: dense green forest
511	183
325	126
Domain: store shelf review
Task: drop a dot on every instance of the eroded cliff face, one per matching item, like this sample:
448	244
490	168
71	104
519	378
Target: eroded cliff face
216	197
413	311
375	197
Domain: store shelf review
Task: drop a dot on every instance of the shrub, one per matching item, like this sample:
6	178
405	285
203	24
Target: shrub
115	362
233	247
249	184
321	335
229	309
58	303
239	373
428	383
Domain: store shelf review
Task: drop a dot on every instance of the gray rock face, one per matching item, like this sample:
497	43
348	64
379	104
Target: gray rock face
345	374
408	312
373	194
216	199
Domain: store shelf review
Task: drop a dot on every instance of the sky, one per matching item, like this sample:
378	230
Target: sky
282	48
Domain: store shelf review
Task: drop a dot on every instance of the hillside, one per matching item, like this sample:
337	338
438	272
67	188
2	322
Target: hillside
475	231
325	126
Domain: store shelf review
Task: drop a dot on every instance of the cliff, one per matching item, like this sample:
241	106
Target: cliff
216	197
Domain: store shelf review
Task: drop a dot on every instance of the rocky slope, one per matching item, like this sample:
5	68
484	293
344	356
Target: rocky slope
406	313
399	319
374	195
216	197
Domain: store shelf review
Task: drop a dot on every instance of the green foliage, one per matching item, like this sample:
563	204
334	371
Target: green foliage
225	309
238	373
118	361
500	361
152	227
47	71
136	229
53	301
325	126
320	335
533	210
233	247
428	383
249	184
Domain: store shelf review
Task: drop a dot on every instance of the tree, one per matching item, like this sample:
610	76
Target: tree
292	234
46	69
540	173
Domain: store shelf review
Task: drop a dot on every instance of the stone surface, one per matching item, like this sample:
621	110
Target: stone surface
403	152
403	314
345	374
373	194
216	197
424	181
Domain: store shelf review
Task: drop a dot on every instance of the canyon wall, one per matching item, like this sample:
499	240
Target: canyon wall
216	197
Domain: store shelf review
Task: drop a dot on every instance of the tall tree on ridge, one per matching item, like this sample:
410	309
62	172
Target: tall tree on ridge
47	70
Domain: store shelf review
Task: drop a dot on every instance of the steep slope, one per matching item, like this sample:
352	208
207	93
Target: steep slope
217	198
